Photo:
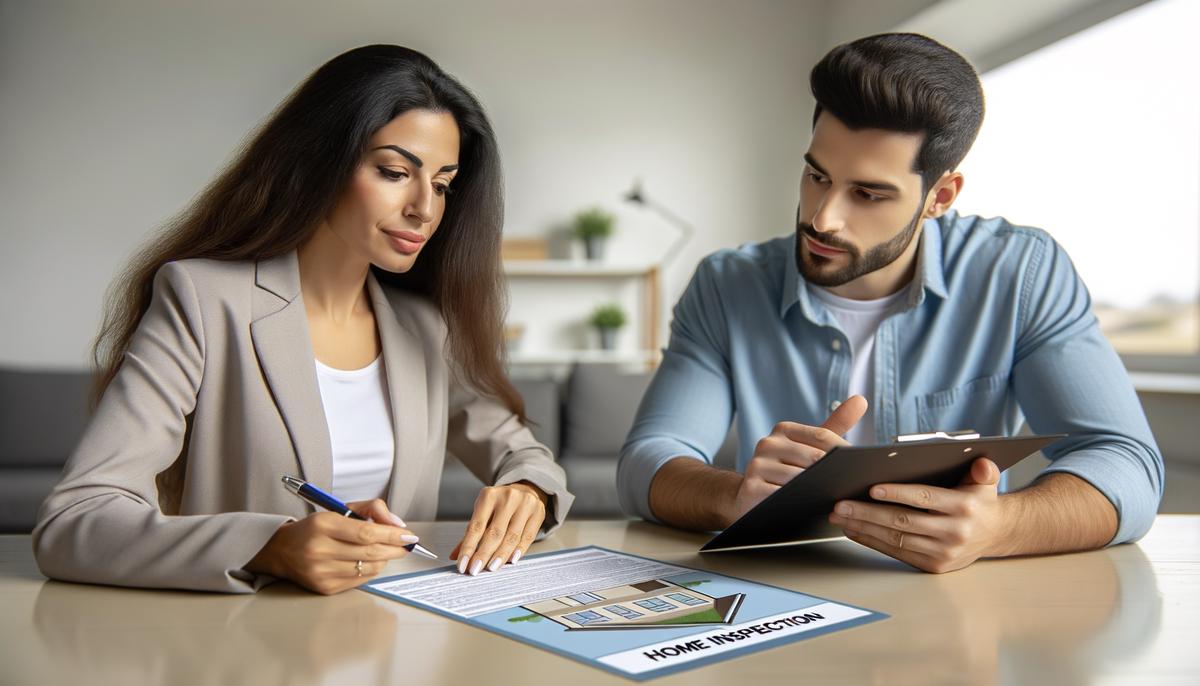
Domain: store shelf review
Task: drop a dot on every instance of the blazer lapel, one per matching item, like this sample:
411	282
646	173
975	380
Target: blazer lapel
284	349
404	363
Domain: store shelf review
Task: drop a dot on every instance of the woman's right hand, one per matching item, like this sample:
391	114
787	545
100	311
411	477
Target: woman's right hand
321	551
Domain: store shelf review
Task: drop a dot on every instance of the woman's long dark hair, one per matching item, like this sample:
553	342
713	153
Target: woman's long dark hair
288	177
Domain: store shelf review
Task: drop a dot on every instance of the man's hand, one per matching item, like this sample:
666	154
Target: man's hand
790	449
934	529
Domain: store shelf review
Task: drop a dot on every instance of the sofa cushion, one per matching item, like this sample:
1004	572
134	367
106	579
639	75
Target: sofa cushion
459	487
457	490
42	416
594	484
601	402
542	407
22	491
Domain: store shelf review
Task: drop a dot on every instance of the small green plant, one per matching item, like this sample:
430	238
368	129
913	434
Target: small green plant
608	317
594	223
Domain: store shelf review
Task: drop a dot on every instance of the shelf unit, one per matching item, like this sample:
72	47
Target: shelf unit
647	275
561	357
1151	382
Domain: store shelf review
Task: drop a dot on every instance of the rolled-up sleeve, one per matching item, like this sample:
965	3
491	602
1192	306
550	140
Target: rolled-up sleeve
1068	379
688	406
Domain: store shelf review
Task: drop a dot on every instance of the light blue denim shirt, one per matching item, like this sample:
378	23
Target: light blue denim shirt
998	327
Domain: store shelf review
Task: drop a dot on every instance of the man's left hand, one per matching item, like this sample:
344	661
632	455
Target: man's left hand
934	529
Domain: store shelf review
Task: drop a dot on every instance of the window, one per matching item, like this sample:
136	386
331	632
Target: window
586	617
686	599
655	604
585	598
1096	139
622	611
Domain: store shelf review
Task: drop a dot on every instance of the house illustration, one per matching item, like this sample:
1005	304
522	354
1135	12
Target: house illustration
646	605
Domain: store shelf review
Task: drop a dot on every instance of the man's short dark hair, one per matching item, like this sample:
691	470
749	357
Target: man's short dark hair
904	82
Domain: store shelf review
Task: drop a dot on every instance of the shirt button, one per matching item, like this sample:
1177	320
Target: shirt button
836	344
835	405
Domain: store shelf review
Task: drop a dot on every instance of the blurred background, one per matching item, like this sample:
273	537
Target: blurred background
114	115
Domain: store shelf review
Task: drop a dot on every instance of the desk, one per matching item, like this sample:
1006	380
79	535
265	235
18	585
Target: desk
1129	614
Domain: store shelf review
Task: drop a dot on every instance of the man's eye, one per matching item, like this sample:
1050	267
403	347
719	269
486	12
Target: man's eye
869	197
393	174
817	178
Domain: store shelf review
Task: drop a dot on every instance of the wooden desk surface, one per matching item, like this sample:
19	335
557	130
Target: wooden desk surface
1129	614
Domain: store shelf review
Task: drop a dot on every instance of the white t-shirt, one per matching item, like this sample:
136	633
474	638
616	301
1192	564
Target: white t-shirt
860	319
358	410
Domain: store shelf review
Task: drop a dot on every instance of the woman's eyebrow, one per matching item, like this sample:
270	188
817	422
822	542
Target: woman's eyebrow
414	159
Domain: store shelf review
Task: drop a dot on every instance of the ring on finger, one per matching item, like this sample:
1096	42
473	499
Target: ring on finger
358	567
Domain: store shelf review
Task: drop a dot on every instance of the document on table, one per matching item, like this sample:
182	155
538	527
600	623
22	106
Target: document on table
630	615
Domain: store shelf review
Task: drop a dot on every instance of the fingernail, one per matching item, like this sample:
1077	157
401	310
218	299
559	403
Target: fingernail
410	538
397	521
476	567
462	564
516	555
844	509
495	564
878	492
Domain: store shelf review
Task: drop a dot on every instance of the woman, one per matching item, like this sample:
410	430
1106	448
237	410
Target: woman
330	308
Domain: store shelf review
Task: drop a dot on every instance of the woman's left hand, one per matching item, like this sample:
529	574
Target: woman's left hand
506	520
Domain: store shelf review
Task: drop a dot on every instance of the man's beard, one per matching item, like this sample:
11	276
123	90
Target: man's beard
876	258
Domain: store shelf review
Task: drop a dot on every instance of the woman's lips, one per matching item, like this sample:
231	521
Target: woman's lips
822	250
406	242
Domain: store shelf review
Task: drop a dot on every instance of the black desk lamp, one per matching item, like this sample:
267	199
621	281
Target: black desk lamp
638	197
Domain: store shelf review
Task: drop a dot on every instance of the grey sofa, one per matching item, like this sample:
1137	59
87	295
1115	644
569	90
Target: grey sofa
42	416
583	419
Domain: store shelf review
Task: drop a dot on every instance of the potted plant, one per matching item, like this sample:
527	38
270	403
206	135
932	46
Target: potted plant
512	335
593	227
607	319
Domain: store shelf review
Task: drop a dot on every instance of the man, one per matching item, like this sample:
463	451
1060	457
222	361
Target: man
943	321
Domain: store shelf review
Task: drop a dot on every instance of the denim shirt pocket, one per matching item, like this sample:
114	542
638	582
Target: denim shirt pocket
978	404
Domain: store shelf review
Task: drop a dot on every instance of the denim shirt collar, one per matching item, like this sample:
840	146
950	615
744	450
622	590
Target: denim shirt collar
929	271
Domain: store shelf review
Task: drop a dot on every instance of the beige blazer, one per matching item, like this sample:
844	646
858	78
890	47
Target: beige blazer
176	481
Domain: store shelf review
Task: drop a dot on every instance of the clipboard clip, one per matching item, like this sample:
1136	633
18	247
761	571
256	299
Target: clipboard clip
962	435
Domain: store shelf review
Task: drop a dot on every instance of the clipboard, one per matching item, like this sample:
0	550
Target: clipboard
799	511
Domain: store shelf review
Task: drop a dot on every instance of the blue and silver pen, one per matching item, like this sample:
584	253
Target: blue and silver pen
322	499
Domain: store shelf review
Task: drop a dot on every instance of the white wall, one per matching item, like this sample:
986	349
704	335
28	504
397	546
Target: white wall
113	115
987	32
992	32
850	19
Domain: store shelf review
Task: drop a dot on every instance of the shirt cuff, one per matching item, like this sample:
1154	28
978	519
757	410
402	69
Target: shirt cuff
252	536
1132	495
639	463
560	499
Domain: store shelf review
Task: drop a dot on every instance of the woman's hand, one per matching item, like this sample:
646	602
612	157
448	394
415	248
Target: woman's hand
505	521
321	552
